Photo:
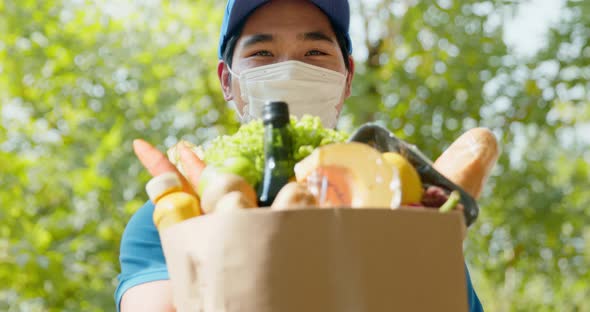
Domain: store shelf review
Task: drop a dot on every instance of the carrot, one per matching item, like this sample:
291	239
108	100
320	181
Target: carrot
157	163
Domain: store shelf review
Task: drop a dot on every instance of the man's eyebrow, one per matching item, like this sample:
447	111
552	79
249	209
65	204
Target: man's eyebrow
317	36
256	38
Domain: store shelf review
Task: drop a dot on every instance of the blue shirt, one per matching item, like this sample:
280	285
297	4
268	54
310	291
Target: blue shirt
142	258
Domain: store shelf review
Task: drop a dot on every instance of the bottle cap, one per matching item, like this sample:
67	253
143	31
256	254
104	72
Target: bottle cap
161	184
276	112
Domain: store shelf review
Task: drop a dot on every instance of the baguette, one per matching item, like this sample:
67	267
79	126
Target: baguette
469	160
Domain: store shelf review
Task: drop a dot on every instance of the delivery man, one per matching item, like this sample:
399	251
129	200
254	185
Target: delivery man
299	50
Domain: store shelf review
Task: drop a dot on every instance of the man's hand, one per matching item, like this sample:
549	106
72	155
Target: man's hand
149	297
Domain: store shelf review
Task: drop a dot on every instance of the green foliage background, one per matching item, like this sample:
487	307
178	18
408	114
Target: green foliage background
79	80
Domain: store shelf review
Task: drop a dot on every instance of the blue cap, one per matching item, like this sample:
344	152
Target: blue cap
236	11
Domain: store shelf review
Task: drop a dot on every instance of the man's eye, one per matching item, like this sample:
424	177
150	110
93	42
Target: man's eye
262	53
315	53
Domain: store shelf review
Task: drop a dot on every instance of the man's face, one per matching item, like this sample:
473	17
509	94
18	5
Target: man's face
281	31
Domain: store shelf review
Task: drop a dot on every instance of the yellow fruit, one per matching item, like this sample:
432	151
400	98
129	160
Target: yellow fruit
173	205
174	208
356	175
410	180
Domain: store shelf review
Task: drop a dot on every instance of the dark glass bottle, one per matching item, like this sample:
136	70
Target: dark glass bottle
278	152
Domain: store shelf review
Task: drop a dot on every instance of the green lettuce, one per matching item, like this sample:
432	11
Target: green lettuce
246	144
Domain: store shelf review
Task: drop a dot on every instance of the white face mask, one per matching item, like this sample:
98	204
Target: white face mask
308	89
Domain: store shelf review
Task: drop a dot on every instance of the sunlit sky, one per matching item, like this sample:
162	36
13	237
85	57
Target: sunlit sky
526	31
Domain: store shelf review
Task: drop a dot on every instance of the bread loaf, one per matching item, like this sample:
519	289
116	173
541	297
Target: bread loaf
469	160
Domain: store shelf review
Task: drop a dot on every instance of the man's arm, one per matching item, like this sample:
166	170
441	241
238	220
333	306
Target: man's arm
149	297
144	282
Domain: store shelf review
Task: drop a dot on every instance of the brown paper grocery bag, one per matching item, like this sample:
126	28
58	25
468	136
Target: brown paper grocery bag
317	260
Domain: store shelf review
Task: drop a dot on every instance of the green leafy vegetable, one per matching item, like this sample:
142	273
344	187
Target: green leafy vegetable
308	133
